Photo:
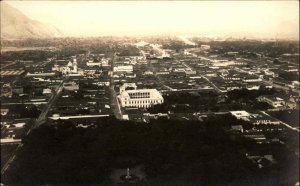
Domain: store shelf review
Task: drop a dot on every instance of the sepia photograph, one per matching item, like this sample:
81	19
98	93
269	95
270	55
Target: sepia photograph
162	93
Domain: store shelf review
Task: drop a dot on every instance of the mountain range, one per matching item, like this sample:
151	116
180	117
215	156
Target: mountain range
16	25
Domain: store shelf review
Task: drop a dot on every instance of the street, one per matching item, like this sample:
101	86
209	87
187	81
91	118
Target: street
39	121
114	103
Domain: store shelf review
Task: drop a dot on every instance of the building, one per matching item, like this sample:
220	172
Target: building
240	115
263	118
47	91
274	101
70	68
127	68
255	118
295	84
141	98
91	63
71	86
205	47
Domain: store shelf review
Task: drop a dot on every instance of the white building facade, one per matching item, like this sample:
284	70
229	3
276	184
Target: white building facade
141	98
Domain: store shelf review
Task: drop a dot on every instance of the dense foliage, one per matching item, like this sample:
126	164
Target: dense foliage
172	152
247	95
184	101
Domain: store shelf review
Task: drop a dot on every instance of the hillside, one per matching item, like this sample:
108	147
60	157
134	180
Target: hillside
15	25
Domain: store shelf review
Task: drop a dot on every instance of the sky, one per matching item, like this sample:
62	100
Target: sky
201	18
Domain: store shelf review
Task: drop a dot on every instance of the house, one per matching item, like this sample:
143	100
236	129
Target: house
71	86
47	91
244	115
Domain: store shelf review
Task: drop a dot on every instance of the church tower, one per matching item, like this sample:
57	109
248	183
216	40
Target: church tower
74	66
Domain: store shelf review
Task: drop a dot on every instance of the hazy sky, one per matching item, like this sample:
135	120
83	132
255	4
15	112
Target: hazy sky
94	18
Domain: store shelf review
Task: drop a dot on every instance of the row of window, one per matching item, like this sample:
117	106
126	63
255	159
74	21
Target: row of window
141	96
143	102
139	93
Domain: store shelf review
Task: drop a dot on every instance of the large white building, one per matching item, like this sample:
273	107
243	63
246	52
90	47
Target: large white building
141	98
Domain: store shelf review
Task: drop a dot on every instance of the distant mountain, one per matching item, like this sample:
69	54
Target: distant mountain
15	25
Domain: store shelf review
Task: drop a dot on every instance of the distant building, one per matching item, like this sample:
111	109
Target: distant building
127	68
71	86
148	72
255	118
263	118
274	101
252	79
142	98
47	91
241	115
103	62
205	47
296	84
70	68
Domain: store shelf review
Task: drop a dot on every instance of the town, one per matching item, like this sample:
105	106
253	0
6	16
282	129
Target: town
249	87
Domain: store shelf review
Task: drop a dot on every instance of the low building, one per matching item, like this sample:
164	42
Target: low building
244	115
91	63
127	68
71	86
47	91
205	47
255	118
263	118
190	72
274	101
141	98
296	84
